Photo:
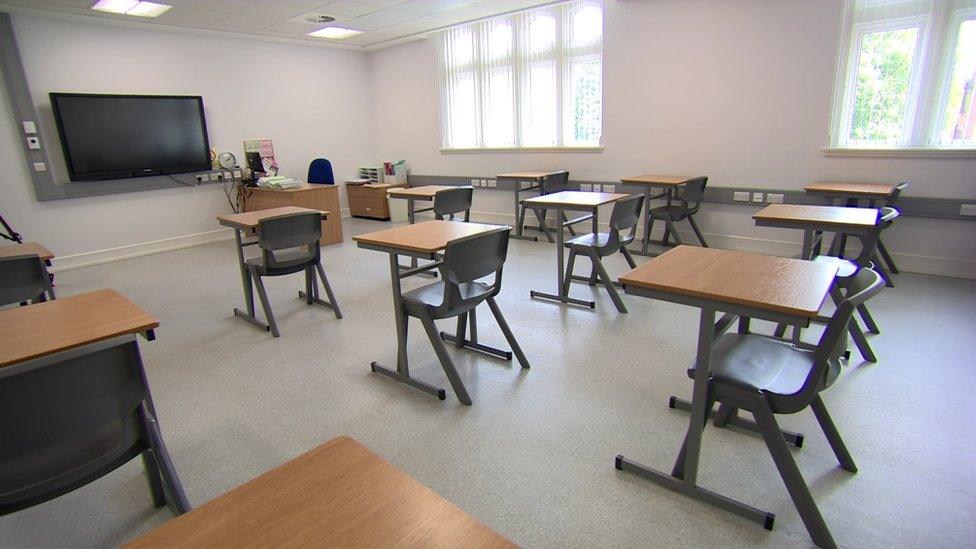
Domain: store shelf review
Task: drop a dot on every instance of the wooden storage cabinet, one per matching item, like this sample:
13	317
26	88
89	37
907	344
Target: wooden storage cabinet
369	200
319	197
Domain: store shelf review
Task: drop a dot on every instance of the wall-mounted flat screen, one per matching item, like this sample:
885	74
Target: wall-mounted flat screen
122	136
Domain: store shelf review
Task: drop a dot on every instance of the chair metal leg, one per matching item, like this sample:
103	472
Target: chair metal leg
309	281
887	257
780	330
628	257
572	231
266	305
607	282
791	476
462	326
860	341
869	322
833	437
507	332
694	227
725	413
666	237
155	480
328	290
570	263
648	227
171	483
541	216
452	375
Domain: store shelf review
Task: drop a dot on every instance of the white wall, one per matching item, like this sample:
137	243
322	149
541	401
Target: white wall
311	101
739	91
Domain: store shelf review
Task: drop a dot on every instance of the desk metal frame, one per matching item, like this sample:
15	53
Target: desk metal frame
536	184
811	229
563	288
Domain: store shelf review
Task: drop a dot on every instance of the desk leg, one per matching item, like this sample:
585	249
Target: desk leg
562	296
248	288
402	372
412	218
684	474
519	218
807	251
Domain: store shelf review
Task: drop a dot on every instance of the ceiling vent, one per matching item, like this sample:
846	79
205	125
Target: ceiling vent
319	18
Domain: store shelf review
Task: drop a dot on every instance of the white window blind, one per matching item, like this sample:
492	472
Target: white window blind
906	75
530	79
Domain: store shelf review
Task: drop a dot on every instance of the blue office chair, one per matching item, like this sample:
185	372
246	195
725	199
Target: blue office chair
320	171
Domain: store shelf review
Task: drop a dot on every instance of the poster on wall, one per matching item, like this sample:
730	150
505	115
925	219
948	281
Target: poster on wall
265	149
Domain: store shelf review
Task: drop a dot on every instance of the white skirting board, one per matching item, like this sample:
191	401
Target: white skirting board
956	268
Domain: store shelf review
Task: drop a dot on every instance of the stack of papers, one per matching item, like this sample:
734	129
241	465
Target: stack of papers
278	182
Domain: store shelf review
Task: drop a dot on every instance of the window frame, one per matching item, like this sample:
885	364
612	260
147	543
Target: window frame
928	87
519	60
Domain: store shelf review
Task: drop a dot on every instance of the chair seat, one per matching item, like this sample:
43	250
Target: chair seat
432	296
845	267
675	212
763	364
298	256
589	240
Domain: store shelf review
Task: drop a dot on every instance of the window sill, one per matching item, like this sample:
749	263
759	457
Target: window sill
509	150
912	152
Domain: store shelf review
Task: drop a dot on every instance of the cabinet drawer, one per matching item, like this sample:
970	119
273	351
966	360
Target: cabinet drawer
359	190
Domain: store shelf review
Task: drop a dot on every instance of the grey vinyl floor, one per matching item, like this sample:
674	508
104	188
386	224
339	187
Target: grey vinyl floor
533	457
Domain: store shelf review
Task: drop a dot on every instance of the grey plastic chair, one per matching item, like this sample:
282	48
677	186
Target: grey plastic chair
71	418
449	202
891	267
554	183
458	293
290	244
690	203
769	376
24	278
625	215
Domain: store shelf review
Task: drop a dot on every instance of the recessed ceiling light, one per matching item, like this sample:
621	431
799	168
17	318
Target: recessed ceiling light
131	7
334	33
148	9
115	6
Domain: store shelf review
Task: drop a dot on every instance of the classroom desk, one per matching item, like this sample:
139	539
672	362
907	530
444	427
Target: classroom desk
670	184
816	219
248	222
336	495
51	327
411	195
572	201
30	248
538	181
739	284
850	192
423	241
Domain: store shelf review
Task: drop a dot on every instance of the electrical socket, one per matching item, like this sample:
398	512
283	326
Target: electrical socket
609	188
237	174
475	183
492	183
740	196
213	177
774	198
585	187
967	209
33	143
40	167
757	197
29	126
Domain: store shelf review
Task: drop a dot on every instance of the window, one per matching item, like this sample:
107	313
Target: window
531	79
906	75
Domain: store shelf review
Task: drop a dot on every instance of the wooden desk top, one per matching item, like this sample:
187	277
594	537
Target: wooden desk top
26	248
870	190
780	284
46	328
426	191
251	220
427	237
304	187
524	176
337	495
832	216
657	180
580	199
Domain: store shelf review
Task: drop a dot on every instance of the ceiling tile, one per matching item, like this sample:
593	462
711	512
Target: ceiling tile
500	6
294	28
383	3
306	5
192	16
234	28
431	7
379	19
347	8
224	6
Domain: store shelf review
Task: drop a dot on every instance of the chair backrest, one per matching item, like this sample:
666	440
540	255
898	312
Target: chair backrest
865	284
320	171
556	182
468	259
68	419
869	243
895	194
626	213
453	201
23	278
288	232
692	195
